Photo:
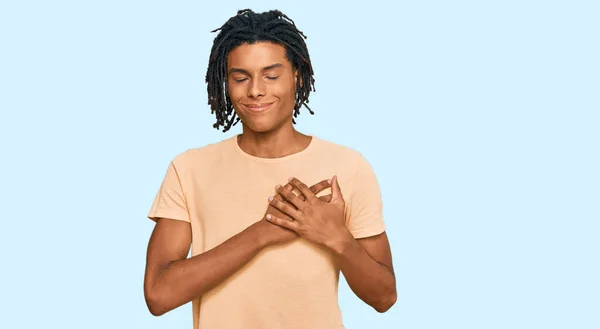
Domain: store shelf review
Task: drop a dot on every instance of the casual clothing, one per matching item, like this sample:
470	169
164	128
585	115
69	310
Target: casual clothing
221	190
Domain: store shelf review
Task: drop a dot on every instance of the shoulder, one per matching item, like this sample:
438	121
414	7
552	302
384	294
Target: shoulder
203	154
341	153
337	149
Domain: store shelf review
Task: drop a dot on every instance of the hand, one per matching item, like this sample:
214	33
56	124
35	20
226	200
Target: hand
314	219
273	234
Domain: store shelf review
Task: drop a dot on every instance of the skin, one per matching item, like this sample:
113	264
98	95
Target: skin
261	73
172	280
365	263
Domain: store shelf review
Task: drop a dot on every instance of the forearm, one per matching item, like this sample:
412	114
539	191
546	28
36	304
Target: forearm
370	280
181	281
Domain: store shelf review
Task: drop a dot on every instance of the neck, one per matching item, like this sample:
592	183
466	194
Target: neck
273	144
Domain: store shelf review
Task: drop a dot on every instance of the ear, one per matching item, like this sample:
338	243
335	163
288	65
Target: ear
296	77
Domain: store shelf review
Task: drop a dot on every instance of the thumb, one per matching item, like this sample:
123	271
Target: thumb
336	191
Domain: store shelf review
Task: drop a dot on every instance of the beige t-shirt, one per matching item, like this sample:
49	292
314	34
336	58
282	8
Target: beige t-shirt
221	190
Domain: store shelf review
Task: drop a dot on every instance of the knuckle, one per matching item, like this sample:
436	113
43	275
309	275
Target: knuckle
290	196
285	208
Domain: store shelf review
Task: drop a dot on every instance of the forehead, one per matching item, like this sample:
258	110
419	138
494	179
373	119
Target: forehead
256	56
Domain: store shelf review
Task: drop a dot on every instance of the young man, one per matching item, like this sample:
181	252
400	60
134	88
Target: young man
266	255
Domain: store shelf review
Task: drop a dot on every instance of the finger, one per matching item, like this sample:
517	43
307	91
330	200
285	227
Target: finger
291	225
281	198
285	208
325	198
276	212
290	187
289	196
336	191
310	196
320	186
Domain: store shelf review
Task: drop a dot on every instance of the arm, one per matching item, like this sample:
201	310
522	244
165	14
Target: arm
367	266
366	263
171	280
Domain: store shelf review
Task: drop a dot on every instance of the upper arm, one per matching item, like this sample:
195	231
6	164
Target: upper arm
170	241
171	199
364	207
378	247
172	236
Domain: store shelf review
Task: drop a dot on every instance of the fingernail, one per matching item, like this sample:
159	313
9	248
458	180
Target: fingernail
277	187
269	217
290	179
329	181
270	198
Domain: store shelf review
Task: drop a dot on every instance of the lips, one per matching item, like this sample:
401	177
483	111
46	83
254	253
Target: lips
258	107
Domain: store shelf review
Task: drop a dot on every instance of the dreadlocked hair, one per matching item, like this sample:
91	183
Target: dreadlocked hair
250	27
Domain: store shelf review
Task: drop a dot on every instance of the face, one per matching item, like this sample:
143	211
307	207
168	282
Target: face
262	86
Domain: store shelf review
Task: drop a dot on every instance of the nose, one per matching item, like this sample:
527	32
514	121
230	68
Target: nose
256	88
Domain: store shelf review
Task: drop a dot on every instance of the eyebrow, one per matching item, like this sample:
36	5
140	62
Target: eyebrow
266	68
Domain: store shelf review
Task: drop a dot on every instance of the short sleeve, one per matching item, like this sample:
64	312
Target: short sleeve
170	201
364	207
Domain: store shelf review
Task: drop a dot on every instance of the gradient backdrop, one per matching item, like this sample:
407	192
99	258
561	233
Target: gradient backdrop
481	119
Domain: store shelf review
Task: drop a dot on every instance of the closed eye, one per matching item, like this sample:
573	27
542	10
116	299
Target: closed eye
272	78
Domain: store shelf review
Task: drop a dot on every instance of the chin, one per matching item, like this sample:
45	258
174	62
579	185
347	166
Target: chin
260	127
264	125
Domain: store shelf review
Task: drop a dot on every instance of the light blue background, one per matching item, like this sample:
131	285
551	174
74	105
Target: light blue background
481	120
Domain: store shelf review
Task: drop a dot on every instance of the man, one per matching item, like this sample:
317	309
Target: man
266	255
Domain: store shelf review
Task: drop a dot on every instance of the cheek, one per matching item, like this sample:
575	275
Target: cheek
235	91
286	90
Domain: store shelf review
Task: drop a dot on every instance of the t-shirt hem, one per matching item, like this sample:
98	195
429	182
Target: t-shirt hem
365	233
154	216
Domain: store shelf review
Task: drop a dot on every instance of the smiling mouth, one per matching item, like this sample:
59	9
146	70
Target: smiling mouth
258	107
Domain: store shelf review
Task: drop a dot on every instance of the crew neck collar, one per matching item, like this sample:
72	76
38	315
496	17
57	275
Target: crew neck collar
311	145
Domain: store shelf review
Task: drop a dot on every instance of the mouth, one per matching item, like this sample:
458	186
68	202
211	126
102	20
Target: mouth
258	107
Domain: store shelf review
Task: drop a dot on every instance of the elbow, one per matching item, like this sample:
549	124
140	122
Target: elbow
155	303
385	304
155	309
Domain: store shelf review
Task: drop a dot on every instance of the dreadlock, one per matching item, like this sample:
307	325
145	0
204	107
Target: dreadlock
250	27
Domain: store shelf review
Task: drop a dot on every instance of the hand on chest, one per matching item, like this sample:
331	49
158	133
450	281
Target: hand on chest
232	201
